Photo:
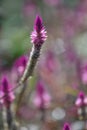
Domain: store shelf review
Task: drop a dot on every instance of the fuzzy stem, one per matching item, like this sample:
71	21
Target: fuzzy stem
34	55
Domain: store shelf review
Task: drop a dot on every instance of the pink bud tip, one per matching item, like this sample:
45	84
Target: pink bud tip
38	24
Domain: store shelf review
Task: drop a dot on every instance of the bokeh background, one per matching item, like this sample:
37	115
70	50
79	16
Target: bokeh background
62	66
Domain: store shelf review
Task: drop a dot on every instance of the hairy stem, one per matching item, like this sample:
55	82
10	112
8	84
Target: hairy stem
34	55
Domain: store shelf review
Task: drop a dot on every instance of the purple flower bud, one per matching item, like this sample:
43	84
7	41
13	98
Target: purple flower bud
38	36
66	127
6	88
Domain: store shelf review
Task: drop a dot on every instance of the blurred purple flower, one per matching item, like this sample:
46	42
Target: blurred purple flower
42	98
66	127
38	36
20	64
6	90
81	100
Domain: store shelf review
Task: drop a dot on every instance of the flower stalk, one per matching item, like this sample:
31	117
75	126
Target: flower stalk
38	37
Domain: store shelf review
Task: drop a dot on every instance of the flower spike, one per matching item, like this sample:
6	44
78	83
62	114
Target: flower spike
38	36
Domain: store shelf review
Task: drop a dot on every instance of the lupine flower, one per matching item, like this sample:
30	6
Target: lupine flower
6	89
42	98
38	36
66	127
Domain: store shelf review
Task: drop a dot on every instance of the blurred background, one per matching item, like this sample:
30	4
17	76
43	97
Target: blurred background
62	66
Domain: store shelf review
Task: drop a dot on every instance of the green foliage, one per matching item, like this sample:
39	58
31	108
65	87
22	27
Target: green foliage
19	44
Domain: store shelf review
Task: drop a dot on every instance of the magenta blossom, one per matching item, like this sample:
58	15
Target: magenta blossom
42	98
81	100
6	90
38	36
66	127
